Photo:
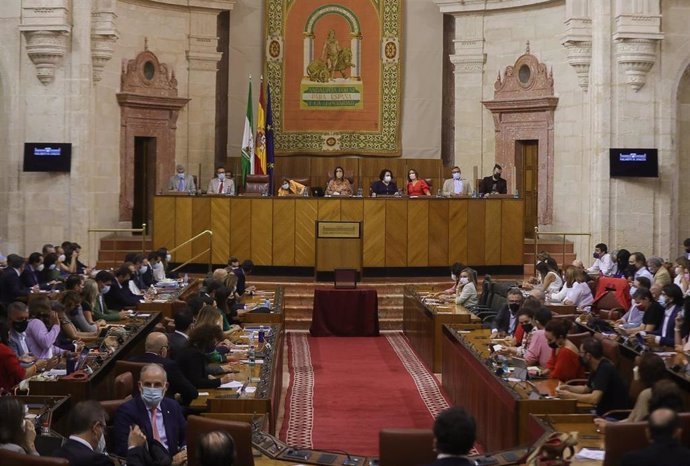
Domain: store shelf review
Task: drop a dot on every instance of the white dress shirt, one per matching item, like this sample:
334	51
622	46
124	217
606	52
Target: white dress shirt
604	265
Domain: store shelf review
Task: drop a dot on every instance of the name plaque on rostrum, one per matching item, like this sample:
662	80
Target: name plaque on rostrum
338	246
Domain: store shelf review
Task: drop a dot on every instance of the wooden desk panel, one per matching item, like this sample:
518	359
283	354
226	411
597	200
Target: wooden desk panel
397	232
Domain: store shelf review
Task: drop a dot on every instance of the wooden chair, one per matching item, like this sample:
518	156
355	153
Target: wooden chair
406	447
123	385
578	338
10	458
129	366
241	433
257	185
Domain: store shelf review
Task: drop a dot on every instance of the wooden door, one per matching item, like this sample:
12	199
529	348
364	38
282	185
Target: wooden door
527	162
144	180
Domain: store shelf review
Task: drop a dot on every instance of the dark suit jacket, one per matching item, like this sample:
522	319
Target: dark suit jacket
669	339
11	286
177	380
502	319
176	342
665	453
193	362
241	280
134	412
30	277
119	296
454	461
80	455
487	183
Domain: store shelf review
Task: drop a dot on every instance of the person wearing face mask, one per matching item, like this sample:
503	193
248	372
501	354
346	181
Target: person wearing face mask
14	367
119	295
86	444
661	273
564	364
385	186
31	276
605	389
159	418
603	264
100	309
466	294
663	335
223	183
454	186
455	271
682	274
493	184
505	322
157	265
686	245
525	318
290	187
192	359
415	185
180	182
339	185
11	287
16	433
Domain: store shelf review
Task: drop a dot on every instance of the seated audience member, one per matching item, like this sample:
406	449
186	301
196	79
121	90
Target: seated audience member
119	296
158	417
638	263
11	371
290	187
158	263
686	245
104	280
525	318
605	388
90	297
73	309
221	183
31	276
466	294
455	432
538	351
385	186
216	448
11	287
580	294
43	330
493	184
681	328
622	263
225	303
549	280
198	301
16	433
415	185
564	364
339	185
682	274
633	318
537	294
505	322
660	273
649	371
138	267
454	186
86	444
184	319
603	264
74	283
51	270
667	394
192	359
245	270
455	271
156	352
664	433
652	313
180	182
219	275
664	335
47	249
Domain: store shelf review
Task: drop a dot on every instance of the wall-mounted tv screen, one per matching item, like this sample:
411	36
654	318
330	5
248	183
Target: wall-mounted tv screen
643	163
47	157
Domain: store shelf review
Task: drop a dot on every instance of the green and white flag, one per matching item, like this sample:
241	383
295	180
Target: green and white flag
248	140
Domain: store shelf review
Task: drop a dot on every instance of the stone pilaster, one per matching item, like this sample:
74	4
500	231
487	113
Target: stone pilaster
578	39
103	35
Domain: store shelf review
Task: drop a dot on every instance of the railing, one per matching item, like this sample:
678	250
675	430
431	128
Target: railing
562	234
141	230
190	240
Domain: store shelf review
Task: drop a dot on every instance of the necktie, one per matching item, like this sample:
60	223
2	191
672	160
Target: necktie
221	190
154	424
180	185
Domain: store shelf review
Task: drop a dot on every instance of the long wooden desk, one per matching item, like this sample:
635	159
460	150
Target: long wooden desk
501	408
276	302
165	299
423	324
397	232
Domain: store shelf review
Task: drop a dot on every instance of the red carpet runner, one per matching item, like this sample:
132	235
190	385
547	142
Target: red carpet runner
343	391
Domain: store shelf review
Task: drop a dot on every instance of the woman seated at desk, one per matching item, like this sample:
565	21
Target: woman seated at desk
534	348
549	279
576	291
415	186
16	433
290	187
11	371
339	185
466	293
385	186
455	271
564	364
192	359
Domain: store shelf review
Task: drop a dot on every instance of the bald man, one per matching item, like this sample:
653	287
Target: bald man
156	347
158	417
663	432
216	448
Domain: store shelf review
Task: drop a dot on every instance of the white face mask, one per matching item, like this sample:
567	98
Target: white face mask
387	178
40	267
100	448
221	176
636	373
662	301
143	268
453	277
286	186
168	258
157	266
52	267
413	176
456	176
105	289
180	175
464	280
62	258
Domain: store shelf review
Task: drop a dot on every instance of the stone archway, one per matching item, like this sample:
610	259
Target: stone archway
149	107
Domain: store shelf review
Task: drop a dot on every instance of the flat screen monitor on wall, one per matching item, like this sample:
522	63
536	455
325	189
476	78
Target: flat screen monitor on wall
634	163
47	157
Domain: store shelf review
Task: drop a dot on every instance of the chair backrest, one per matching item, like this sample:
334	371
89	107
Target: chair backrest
406	447
123	385
241	433
430	182
129	366
486	291
577	338
10	458
257	184
303	181
610	347
607	301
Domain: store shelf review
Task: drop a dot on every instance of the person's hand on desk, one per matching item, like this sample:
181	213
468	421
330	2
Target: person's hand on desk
123	315
600	422
180	458
227	378
27	358
136	437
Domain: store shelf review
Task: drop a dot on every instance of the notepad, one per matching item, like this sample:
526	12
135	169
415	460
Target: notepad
590	454
56	372
232	384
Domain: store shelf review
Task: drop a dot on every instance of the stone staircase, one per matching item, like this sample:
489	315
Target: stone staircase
564	256
114	248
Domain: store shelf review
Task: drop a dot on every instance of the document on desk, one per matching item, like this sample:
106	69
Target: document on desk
232	384
247	389
257	361
56	373
590	454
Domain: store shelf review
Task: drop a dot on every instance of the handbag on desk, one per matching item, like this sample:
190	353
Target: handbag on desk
552	450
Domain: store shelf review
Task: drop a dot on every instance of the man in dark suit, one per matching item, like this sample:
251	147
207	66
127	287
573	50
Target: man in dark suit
30	277
11	286
493	184
505	321
665	449
156	347
86	444
160	418
454	436
184	318
119	296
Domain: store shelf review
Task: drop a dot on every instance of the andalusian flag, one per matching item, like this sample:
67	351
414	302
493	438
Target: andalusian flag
248	139
260	152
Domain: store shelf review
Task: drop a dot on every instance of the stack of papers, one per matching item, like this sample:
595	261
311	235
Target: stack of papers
590	454
232	384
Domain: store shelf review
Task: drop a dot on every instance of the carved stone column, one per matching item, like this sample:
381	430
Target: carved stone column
45	25
103	35
578	39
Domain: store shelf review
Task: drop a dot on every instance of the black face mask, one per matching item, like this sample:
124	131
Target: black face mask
527	327
497	176
20	327
583	363
553	344
514	307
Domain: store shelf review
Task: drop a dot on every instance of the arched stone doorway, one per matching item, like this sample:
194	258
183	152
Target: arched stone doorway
149	108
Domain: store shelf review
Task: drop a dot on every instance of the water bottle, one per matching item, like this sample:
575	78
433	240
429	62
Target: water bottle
152	291
474	194
251	355
360	193
516	194
438	193
185	279
267	303
262	334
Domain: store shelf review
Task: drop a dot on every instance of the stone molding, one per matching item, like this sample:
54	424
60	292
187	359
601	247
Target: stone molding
469	56
46	27
202	53
637	36
103	36
470	6
578	41
201	5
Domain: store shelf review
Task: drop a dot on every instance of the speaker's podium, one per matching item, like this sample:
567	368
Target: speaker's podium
339	251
